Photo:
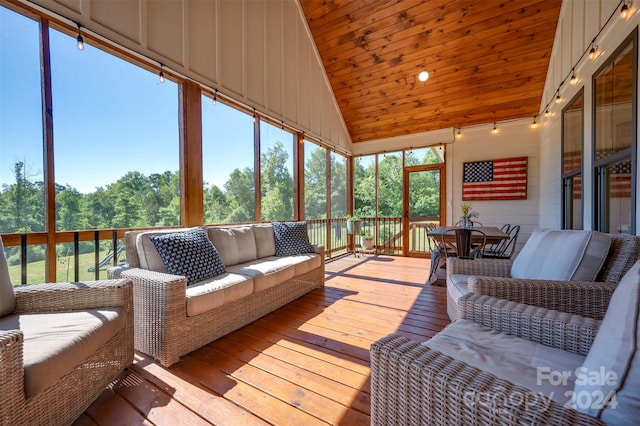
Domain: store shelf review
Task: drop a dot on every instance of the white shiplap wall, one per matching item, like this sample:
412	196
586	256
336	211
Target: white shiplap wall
579	22
257	52
514	139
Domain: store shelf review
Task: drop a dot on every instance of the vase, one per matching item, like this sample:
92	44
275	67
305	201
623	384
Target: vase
467	223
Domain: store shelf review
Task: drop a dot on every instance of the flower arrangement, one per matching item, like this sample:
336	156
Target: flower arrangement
467	214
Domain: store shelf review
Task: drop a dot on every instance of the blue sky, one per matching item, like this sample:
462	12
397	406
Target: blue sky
110	117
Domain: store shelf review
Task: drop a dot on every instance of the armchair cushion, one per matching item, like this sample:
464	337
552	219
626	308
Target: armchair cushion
616	350
562	255
7	295
291	238
190	254
56	343
507	357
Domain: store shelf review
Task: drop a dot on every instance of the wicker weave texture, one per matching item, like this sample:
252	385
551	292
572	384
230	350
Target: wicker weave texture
62	403
164	331
589	299
413	385
571	333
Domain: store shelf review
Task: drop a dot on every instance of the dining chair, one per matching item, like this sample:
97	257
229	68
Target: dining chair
505	249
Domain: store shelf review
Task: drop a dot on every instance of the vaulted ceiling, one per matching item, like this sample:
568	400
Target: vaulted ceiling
487	61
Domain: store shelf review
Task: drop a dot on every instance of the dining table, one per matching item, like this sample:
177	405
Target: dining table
492	235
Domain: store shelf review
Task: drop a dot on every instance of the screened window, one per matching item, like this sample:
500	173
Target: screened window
424	156
21	142
364	187
615	145
338	185
227	163
390	173
315	181
572	145
276	172
116	141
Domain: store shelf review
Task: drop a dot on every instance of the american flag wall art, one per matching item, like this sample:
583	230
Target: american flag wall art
503	179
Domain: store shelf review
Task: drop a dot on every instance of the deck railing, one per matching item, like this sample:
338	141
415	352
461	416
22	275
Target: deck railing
86	255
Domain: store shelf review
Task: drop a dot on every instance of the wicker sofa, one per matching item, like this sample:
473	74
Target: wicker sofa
514	364
60	346
173	318
546	265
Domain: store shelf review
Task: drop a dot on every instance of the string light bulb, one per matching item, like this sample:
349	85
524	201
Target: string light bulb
215	97
254	115
495	129
624	10
558	97
535	123
459	134
593	52
547	113
80	40
574	79
161	75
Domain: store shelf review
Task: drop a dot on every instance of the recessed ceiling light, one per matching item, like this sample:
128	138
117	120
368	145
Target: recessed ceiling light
423	76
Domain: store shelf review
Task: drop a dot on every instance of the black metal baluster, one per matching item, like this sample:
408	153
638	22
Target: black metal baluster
23	259
76	257
96	254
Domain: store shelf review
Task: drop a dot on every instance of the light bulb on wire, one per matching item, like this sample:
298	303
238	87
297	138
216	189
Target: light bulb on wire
215	97
624	10
574	79
534	124
593	53
80	40
495	129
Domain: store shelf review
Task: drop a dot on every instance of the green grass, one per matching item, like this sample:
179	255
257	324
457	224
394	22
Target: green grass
35	270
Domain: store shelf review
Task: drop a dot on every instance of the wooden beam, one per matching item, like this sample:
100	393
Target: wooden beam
191	181
49	168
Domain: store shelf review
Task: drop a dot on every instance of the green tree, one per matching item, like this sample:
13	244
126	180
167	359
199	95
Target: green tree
71	214
315	184
240	190
277	184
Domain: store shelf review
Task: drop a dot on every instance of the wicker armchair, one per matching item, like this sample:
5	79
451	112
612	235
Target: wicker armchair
440	383
492	277
83	373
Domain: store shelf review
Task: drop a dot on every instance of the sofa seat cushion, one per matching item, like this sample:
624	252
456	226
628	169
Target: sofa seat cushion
266	273
56	343
236	244
509	358
566	255
457	285
217	291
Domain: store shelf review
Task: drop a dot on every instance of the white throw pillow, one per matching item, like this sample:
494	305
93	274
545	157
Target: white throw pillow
562	255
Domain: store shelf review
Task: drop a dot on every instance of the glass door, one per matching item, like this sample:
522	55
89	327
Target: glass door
423	207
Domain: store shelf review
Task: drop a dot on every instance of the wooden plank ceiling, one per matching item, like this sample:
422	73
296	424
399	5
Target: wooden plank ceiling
487	61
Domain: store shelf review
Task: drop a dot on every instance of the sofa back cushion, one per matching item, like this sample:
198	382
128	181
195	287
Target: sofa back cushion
623	254
236	244
562	255
612	365
147	254
7	296
265	240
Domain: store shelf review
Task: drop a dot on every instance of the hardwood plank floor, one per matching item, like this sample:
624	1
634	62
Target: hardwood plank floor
305	364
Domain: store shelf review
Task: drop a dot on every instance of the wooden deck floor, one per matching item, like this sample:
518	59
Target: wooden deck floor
305	364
